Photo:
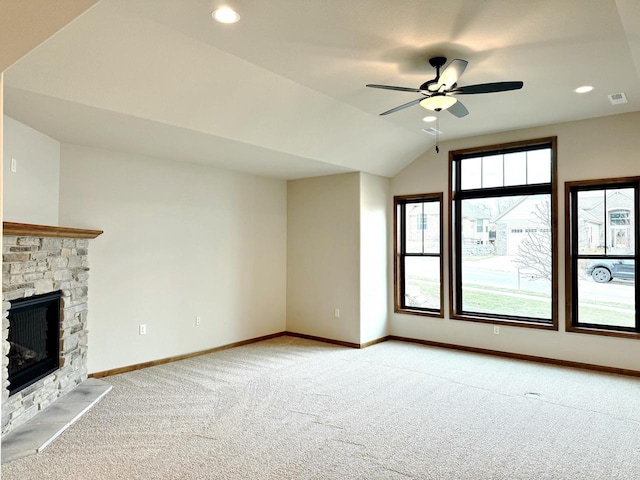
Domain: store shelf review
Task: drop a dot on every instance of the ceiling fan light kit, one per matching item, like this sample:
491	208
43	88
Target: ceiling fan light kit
438	102
437	94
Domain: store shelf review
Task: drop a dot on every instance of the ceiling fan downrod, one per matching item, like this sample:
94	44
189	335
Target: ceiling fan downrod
437	63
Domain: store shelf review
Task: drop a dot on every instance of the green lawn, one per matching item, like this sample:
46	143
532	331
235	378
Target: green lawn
500	301
602	316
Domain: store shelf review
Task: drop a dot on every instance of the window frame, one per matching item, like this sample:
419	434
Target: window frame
572	257
399	247
455	246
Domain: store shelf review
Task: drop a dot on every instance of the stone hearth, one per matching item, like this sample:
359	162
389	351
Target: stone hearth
35	260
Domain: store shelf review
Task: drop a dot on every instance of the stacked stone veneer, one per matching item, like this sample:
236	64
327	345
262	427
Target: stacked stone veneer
32	266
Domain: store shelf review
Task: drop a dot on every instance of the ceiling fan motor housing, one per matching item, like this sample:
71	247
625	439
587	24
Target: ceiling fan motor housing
437	62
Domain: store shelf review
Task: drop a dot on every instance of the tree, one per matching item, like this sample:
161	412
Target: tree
505	203
535	251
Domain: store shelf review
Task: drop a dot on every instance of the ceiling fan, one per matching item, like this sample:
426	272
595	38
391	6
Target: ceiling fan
438	94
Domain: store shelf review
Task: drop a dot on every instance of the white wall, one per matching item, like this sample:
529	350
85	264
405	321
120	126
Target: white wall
597	148
1	149
31	192
375	223
323	256
180	240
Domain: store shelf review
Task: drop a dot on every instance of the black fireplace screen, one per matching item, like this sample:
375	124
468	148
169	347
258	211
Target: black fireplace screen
34	338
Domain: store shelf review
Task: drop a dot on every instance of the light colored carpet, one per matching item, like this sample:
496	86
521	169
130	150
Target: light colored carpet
295	409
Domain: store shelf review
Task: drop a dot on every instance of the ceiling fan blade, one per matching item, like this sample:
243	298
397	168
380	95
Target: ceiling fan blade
391	87
458	110
403	106
487	88
449	77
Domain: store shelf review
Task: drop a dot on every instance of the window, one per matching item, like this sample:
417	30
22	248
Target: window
422	221
504	272
418	259
602	253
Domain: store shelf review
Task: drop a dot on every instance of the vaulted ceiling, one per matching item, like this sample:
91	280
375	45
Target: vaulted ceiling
282	93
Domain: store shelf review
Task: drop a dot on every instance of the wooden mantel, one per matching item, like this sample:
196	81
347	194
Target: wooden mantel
29	230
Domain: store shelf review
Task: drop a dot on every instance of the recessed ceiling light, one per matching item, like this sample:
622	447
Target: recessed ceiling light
225	15
429	118
585	89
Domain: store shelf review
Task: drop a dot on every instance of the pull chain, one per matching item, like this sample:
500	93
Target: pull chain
437	133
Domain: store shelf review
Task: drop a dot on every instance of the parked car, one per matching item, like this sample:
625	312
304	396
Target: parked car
603	271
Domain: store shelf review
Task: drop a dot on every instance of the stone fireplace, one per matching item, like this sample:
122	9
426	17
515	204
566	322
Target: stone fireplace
38	260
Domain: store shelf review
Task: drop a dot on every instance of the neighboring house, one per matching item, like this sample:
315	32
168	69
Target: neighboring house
476	219
601	222
422	226
516	223
590	230
606	221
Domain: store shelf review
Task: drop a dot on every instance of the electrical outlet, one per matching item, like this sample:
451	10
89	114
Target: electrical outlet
143	329
496	330
198	321
14	165
336	313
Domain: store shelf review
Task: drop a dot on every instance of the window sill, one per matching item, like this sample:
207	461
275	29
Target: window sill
604	333
420	313
507	322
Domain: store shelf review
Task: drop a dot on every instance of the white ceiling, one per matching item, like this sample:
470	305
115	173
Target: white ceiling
281	93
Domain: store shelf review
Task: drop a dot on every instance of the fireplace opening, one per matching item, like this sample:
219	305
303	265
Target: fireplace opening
34	338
